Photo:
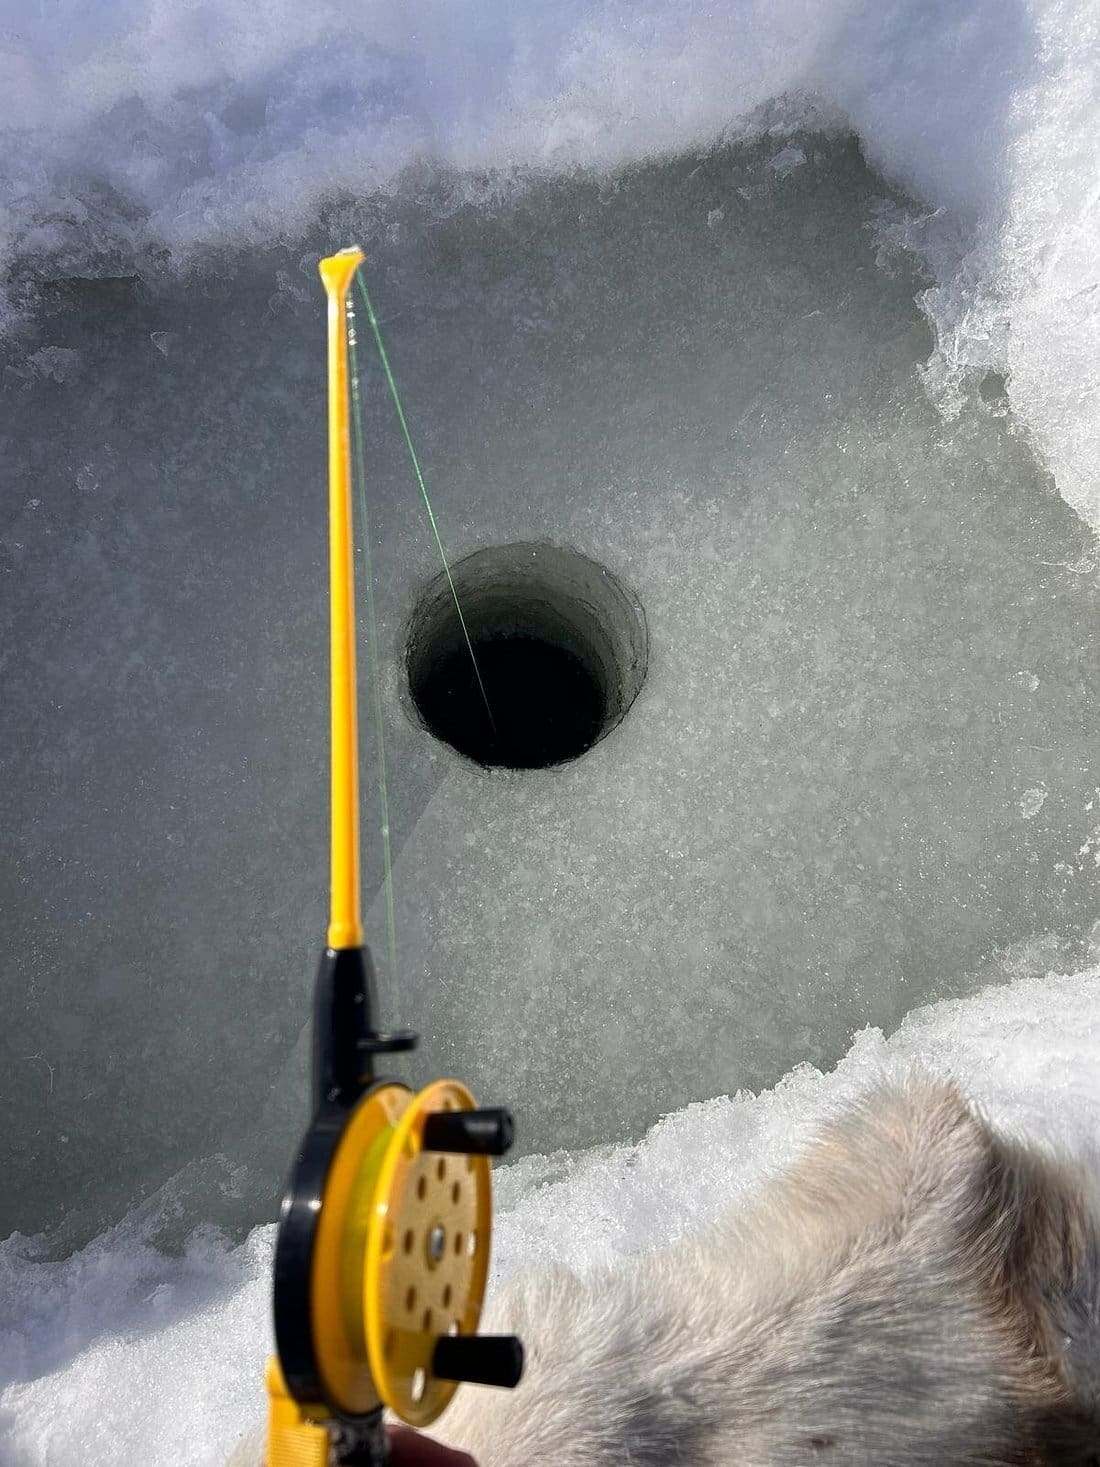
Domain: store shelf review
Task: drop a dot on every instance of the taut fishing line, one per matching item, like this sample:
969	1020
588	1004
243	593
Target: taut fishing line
375	664
384	359
372	619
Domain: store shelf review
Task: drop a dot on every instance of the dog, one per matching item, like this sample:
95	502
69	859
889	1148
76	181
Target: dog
915	1291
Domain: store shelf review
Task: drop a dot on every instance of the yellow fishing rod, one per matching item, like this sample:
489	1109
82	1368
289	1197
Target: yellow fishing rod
383	1244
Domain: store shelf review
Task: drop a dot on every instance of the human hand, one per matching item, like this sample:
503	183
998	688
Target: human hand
409	1449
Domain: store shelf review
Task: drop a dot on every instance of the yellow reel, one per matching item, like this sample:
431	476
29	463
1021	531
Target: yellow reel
401	1254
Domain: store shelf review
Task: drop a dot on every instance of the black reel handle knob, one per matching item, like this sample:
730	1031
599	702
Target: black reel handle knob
493	1360
469	1132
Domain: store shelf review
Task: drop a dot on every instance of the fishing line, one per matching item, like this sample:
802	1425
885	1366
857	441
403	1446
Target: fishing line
375	665
384	359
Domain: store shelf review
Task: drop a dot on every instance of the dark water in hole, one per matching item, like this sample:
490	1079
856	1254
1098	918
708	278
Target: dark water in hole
545	705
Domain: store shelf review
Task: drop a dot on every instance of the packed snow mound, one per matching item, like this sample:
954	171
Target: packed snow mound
119	1355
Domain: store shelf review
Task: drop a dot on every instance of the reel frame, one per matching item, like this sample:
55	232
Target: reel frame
382	1251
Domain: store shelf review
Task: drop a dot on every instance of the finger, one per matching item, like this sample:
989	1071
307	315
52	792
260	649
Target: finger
409	1449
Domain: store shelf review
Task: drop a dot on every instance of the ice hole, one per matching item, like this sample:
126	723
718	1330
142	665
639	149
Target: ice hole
560	648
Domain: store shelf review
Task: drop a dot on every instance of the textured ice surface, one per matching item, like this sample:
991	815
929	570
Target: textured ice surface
873	633
123	1356
812	816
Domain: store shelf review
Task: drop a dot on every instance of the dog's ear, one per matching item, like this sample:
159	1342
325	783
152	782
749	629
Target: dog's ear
1040	1244
1068	1439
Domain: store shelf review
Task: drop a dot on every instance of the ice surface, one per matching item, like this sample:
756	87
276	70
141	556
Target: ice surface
123	1356
811	818
872	634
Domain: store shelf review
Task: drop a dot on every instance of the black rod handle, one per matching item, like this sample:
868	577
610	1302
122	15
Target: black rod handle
344	1012
493	1360
359	1444
469	1132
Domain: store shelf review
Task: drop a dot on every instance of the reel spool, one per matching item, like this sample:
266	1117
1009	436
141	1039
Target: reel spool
383	1245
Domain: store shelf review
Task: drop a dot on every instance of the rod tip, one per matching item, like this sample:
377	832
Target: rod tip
338	270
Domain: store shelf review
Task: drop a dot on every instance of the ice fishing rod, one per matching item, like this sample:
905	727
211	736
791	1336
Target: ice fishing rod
382	1251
